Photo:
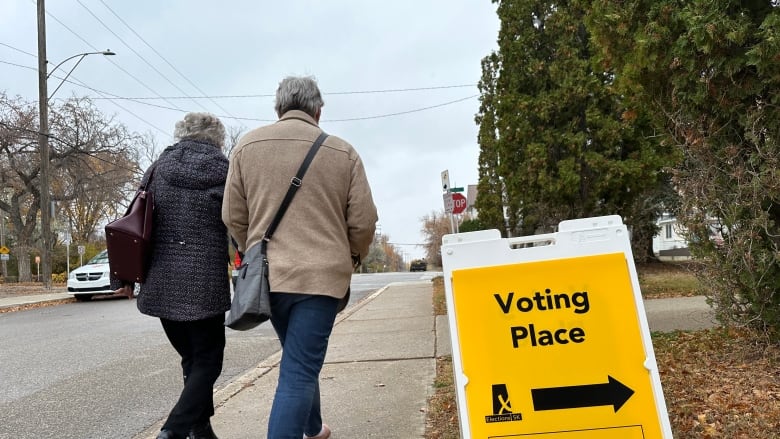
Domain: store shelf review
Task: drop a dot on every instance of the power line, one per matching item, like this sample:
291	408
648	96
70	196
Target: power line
19	50
416	110
90	154
104	94
82	84
137	54
125	109
110	60
252	119
271	95
18	65
114	98
164	59
398	90
246	96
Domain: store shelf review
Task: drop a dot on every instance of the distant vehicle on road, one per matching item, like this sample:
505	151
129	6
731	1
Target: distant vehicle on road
92	279
418	265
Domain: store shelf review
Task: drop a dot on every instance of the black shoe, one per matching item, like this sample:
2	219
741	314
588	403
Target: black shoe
202	431
168	434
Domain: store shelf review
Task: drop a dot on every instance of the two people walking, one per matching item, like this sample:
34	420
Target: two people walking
201	200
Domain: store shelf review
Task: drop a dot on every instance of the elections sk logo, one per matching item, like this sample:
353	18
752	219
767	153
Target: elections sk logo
502	408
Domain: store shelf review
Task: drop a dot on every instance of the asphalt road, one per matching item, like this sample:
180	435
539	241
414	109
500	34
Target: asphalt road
101	369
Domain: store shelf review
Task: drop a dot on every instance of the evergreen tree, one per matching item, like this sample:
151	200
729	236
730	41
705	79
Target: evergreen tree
565	144
490	201
709	71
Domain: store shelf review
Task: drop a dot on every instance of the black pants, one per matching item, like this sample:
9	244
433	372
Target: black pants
201	344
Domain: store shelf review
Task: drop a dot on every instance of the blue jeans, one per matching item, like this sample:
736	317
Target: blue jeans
303	323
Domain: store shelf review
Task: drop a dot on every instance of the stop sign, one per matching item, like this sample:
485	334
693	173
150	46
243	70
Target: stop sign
458	203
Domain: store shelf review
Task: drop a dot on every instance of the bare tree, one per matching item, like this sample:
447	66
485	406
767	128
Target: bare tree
148	150
92	159
234	133
95	158
435	226
19	173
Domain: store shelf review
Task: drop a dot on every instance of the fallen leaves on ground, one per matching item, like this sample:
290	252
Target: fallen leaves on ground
36	305
720	383
442	420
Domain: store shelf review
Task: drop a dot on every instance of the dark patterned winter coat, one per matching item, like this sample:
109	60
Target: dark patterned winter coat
188	274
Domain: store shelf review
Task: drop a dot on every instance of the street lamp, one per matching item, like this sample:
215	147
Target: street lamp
43	136
81	55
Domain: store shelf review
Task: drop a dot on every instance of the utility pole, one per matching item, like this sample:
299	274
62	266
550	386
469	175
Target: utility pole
43	145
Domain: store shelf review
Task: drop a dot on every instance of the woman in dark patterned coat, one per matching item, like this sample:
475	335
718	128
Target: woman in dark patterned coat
187	284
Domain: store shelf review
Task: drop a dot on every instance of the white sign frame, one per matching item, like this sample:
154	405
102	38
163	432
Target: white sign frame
575	238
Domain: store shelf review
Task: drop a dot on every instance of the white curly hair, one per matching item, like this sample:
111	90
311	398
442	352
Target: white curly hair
203	127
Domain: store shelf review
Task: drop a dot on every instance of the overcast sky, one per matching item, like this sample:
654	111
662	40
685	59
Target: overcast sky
399	77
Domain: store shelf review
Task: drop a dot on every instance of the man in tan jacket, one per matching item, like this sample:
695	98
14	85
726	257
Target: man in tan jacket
327	228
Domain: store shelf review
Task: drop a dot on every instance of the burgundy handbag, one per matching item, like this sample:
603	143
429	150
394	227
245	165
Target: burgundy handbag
128	239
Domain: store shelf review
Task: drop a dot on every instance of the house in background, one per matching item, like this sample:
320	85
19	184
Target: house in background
670	244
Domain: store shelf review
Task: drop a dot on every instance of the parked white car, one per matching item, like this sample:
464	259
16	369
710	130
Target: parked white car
91	279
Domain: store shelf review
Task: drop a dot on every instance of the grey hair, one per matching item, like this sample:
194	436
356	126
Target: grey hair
204	127
298	93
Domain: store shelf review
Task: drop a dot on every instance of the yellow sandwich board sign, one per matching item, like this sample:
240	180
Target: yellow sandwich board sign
550	337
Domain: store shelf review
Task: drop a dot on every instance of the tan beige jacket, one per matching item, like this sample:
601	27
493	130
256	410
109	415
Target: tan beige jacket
331	217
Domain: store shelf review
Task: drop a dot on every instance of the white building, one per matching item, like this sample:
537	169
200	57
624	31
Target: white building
669	236
670	244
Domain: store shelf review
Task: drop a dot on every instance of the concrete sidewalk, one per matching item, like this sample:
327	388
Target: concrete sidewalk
683	313
377	377
16	301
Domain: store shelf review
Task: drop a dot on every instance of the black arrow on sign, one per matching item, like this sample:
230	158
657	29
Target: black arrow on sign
612	393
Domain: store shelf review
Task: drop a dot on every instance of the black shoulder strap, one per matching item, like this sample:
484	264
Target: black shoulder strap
295	183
